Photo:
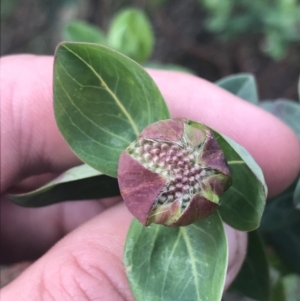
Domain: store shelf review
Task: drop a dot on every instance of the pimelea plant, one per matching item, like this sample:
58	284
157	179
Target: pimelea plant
177	173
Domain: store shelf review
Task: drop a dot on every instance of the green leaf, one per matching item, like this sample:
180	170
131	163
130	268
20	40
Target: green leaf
286	243
296	195
280	211
181	263
242	85
102	101
131	33
253	278
79	31
243	203
78	183
291	284
286	110
277	292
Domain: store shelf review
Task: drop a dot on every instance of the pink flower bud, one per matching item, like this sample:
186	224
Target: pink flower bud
177	175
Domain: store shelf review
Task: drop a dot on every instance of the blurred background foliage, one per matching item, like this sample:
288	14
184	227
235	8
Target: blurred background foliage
211	38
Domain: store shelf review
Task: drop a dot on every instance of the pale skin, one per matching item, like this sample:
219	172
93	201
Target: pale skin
79	245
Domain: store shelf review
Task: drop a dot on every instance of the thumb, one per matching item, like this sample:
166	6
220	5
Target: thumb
87	264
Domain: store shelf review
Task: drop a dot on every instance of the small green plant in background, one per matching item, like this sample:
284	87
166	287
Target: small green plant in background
277	21
130	32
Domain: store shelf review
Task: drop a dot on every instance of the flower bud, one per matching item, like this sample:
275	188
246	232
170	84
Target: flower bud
173	174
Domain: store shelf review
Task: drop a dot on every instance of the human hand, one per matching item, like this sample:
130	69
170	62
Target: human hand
81	243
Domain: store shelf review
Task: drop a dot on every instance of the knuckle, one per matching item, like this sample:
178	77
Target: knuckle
78	278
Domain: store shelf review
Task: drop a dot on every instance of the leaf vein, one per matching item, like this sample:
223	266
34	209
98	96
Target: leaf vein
91	121
114	96
192	260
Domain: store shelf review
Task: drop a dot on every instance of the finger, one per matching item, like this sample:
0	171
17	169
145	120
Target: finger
27	233
88	263
31	142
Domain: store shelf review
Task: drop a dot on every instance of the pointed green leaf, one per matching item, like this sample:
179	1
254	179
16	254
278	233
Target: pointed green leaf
242	85
102	101
286	110
131	33
79	31
78	183
182	263
243	203
253	278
